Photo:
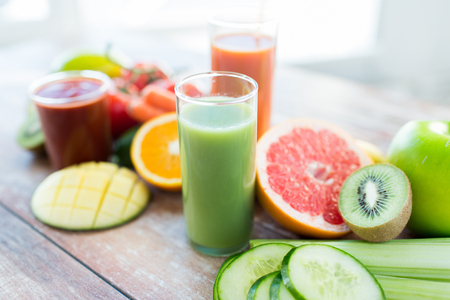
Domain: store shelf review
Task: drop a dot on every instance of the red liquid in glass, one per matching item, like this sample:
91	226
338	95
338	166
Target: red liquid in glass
76	131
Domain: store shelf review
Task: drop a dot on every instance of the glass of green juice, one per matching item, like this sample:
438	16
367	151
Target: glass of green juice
217	114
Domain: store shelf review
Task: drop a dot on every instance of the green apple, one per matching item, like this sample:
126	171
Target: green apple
85	59
422	150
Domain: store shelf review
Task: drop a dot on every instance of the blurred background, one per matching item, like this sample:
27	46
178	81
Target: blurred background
401	45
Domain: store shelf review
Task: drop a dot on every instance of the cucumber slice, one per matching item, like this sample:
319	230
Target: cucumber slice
325	272
261	288
278	290
237	278
224	265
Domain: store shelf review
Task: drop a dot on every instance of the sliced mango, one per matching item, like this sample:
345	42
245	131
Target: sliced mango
89	196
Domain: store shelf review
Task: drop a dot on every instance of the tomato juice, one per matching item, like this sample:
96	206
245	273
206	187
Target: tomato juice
73	111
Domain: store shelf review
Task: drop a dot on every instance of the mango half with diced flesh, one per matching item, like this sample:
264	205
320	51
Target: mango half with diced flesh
89	196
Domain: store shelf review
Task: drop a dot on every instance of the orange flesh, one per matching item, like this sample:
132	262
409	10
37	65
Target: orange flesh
155	151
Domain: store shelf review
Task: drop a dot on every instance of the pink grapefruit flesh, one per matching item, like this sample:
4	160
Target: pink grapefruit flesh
301	166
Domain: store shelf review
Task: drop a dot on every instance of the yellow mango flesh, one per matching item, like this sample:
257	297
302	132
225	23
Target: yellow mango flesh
89	196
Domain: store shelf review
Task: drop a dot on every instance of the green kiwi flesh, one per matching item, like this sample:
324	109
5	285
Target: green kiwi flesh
376	202
30	135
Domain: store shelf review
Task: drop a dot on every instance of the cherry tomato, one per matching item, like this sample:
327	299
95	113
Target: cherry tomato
142	74
120	120
165	83
169	85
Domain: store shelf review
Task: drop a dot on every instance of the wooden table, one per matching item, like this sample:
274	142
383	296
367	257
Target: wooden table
150	258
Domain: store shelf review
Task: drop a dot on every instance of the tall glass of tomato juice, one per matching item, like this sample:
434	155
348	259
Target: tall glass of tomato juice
243	40
73	111
217	135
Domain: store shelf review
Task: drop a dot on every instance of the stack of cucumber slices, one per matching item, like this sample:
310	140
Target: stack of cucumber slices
282	271
312	269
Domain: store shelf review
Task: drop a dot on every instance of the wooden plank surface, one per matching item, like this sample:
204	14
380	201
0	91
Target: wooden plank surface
31	267
150	257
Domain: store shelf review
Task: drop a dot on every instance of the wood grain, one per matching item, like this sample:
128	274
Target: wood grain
31	267
150	258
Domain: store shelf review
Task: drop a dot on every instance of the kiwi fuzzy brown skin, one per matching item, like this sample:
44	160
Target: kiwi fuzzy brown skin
386	231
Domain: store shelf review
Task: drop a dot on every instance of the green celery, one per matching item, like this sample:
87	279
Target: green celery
396	288
254	243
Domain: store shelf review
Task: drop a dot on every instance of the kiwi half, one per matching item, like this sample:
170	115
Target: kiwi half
30	135
376	202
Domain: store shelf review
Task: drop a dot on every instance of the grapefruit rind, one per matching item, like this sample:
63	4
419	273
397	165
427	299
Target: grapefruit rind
273	203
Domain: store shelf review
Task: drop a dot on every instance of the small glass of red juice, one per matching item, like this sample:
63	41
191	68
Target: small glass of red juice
73	110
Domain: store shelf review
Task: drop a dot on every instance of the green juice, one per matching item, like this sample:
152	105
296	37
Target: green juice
217	152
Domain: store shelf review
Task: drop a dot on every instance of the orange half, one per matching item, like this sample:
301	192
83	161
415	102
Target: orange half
155	152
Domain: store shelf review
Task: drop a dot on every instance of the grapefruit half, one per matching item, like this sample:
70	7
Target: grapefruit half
301	165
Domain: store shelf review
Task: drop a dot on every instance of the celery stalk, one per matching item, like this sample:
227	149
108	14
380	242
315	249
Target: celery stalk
410	289
254	243
418	258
